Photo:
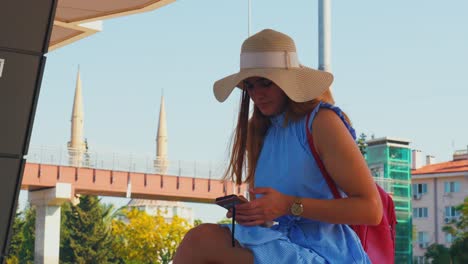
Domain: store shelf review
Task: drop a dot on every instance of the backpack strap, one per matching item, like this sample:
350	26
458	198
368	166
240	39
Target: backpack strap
331	184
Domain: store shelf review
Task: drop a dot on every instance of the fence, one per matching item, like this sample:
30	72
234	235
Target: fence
123	162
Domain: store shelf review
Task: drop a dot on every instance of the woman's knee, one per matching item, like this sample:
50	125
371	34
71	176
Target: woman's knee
210	243
206	233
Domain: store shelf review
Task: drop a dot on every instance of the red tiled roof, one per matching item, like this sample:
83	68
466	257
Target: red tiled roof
444	167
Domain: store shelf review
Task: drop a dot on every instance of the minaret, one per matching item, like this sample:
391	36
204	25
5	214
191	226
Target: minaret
76	145
167	209
161	163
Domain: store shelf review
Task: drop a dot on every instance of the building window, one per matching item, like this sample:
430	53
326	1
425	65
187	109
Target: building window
423	239
377	171
419	189
451	187
448	238
420	212
419	260
451	214
451	211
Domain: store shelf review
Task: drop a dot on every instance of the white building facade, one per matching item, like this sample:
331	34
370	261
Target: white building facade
437	189
167	209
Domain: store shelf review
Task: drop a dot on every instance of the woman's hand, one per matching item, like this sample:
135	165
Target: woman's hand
271	205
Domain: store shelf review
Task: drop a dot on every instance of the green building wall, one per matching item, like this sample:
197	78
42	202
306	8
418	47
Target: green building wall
390	163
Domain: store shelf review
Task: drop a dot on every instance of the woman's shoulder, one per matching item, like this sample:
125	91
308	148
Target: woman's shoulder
329	117
329	129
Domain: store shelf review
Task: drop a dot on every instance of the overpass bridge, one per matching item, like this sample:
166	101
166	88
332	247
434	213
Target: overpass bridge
126	175
94	181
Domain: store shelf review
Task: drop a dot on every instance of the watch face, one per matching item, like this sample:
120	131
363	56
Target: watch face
297	209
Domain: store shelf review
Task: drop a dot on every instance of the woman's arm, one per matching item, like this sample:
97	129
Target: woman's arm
348	169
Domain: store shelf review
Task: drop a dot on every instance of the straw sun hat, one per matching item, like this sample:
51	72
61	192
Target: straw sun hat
272	55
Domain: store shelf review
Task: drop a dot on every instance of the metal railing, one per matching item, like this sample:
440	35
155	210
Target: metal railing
144	163
461	151
123	162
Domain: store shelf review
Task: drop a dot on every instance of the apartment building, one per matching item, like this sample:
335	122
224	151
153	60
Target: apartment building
168	209
437	188
389	160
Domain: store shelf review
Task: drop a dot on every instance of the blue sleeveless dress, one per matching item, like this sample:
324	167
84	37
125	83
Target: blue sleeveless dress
286	164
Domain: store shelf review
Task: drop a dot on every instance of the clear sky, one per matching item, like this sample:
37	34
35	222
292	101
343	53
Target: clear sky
400	71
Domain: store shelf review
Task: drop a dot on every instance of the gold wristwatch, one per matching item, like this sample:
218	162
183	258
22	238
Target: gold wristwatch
297	208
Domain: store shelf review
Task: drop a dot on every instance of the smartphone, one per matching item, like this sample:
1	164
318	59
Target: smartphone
229	201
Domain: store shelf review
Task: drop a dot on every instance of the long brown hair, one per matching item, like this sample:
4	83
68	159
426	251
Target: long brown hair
250	133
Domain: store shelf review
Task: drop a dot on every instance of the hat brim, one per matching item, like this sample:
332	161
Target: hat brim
299	84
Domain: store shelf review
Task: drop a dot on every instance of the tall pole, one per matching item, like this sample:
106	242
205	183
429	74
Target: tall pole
249	18
249	8
324	30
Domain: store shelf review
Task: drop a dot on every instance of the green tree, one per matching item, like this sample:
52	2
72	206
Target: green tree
225	221
17	240
458	228
29	234
197	222
458	251
175	231
22	241
85	232
438	254
141	238
361	142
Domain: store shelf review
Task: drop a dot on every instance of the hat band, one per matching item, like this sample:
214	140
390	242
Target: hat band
270	59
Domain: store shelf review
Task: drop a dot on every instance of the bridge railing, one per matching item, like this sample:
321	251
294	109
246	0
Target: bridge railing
142	163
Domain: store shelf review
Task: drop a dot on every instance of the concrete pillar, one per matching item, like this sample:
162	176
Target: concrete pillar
47	203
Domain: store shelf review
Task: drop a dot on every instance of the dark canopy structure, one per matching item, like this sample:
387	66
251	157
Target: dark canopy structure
25	28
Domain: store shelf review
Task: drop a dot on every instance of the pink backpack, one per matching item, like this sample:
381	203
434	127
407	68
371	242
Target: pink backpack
377	240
